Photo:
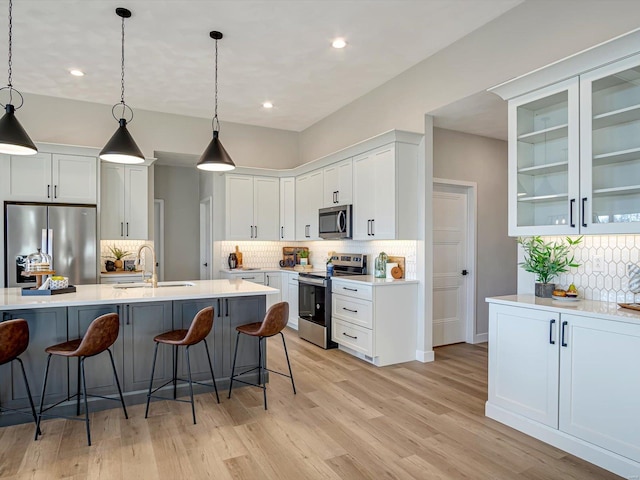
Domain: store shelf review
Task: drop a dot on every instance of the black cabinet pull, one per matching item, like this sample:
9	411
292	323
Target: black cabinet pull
350	336
122	229
571	204
128	314
350	289
373	227
368	227
562	342
551	323
349	310
55	191
248	278
584	221
281	232
219	312
256	230
226	301
127	229
48	191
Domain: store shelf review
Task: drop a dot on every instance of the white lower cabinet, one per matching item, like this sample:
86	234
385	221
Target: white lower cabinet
292	298
375	322
570	380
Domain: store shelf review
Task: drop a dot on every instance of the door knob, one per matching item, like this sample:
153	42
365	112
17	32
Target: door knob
465	272
206	264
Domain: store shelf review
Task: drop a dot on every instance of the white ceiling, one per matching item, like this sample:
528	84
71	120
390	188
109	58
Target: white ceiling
276	50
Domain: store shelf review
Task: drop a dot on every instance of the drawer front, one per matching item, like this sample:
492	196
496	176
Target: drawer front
353	310
354	337
365	292
251	277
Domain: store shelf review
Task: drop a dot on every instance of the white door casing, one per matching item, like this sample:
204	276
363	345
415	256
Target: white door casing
206	241
158	235
453	262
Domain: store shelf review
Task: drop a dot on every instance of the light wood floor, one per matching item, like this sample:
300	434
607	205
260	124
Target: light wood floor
349	420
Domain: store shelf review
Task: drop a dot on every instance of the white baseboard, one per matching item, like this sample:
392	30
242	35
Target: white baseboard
425	356
606	459
480	338
293	324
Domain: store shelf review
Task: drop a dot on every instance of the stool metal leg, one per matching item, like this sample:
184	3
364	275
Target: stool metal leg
78	391
175	371
44	387
261	371
193	406
286	354
213	377
233	367
115	374
153	369
86	406
26	384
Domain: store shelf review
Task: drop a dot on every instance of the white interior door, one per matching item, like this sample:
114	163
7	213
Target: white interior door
450	289
205	239
158	236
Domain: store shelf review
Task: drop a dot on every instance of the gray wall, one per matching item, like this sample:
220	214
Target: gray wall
73	122
178	187
527	37
460	156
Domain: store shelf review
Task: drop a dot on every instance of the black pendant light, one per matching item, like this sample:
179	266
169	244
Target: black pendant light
121	148
13	138
215	158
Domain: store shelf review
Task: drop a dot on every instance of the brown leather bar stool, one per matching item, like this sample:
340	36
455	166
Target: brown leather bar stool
14	340
274	322
101	334
198	331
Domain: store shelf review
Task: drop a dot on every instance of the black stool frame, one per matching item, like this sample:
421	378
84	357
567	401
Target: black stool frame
175	379
81	382
26	384
262	360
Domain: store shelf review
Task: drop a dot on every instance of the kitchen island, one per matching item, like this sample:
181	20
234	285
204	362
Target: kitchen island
144	312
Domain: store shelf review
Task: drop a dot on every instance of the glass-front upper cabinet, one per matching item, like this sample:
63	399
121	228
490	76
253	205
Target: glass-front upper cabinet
610	148
544	161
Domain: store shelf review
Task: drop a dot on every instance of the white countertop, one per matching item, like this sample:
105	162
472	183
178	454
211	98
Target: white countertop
11	298
610	311
371	280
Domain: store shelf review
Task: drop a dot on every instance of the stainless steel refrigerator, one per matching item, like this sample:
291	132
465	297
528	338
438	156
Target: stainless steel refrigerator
66	232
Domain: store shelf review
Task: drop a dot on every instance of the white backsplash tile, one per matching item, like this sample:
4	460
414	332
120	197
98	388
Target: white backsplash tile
611	285
269	254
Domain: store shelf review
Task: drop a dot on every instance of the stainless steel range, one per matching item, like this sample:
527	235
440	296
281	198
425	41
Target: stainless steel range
314	297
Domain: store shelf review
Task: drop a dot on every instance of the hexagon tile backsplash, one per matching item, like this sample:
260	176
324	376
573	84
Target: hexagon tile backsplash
611	285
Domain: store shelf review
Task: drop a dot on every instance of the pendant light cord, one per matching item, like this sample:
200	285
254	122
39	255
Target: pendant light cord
122	70
216	122
9	82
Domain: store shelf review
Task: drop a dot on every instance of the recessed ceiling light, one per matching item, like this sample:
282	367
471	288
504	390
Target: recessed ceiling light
339	43
76	73
267	105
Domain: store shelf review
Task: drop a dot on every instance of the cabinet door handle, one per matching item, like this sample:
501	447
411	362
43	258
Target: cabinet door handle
349	310
256	231
350	336
226	301
268	280
551	323
368	227
248	278
127	229
128	314
55	191
219	312
373	227
584	221
122	229
350	289
281	232
338	196
562	339
571	204
48	191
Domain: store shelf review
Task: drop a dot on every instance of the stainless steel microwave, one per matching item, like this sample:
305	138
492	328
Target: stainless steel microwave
335	222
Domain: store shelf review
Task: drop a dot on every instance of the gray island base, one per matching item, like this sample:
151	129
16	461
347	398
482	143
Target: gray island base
144	313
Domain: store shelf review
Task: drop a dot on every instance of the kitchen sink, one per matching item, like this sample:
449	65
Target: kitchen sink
122	286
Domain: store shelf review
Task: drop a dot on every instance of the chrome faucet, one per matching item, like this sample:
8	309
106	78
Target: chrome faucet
154	275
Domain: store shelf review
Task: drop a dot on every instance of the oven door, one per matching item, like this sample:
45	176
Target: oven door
311	300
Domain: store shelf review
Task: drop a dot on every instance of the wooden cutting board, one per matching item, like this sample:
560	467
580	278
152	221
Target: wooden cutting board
293	253
400	261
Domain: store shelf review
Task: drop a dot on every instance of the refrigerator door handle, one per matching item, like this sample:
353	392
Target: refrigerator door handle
43	241
50	245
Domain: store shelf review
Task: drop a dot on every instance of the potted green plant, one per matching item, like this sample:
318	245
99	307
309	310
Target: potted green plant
304	257
547	259
118	254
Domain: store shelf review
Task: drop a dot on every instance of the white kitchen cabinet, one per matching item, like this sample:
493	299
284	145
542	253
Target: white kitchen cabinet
544	161
47	177
252	207
287	208
124	207
376	322
568	379
385	193
308	203
338	184
524	356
